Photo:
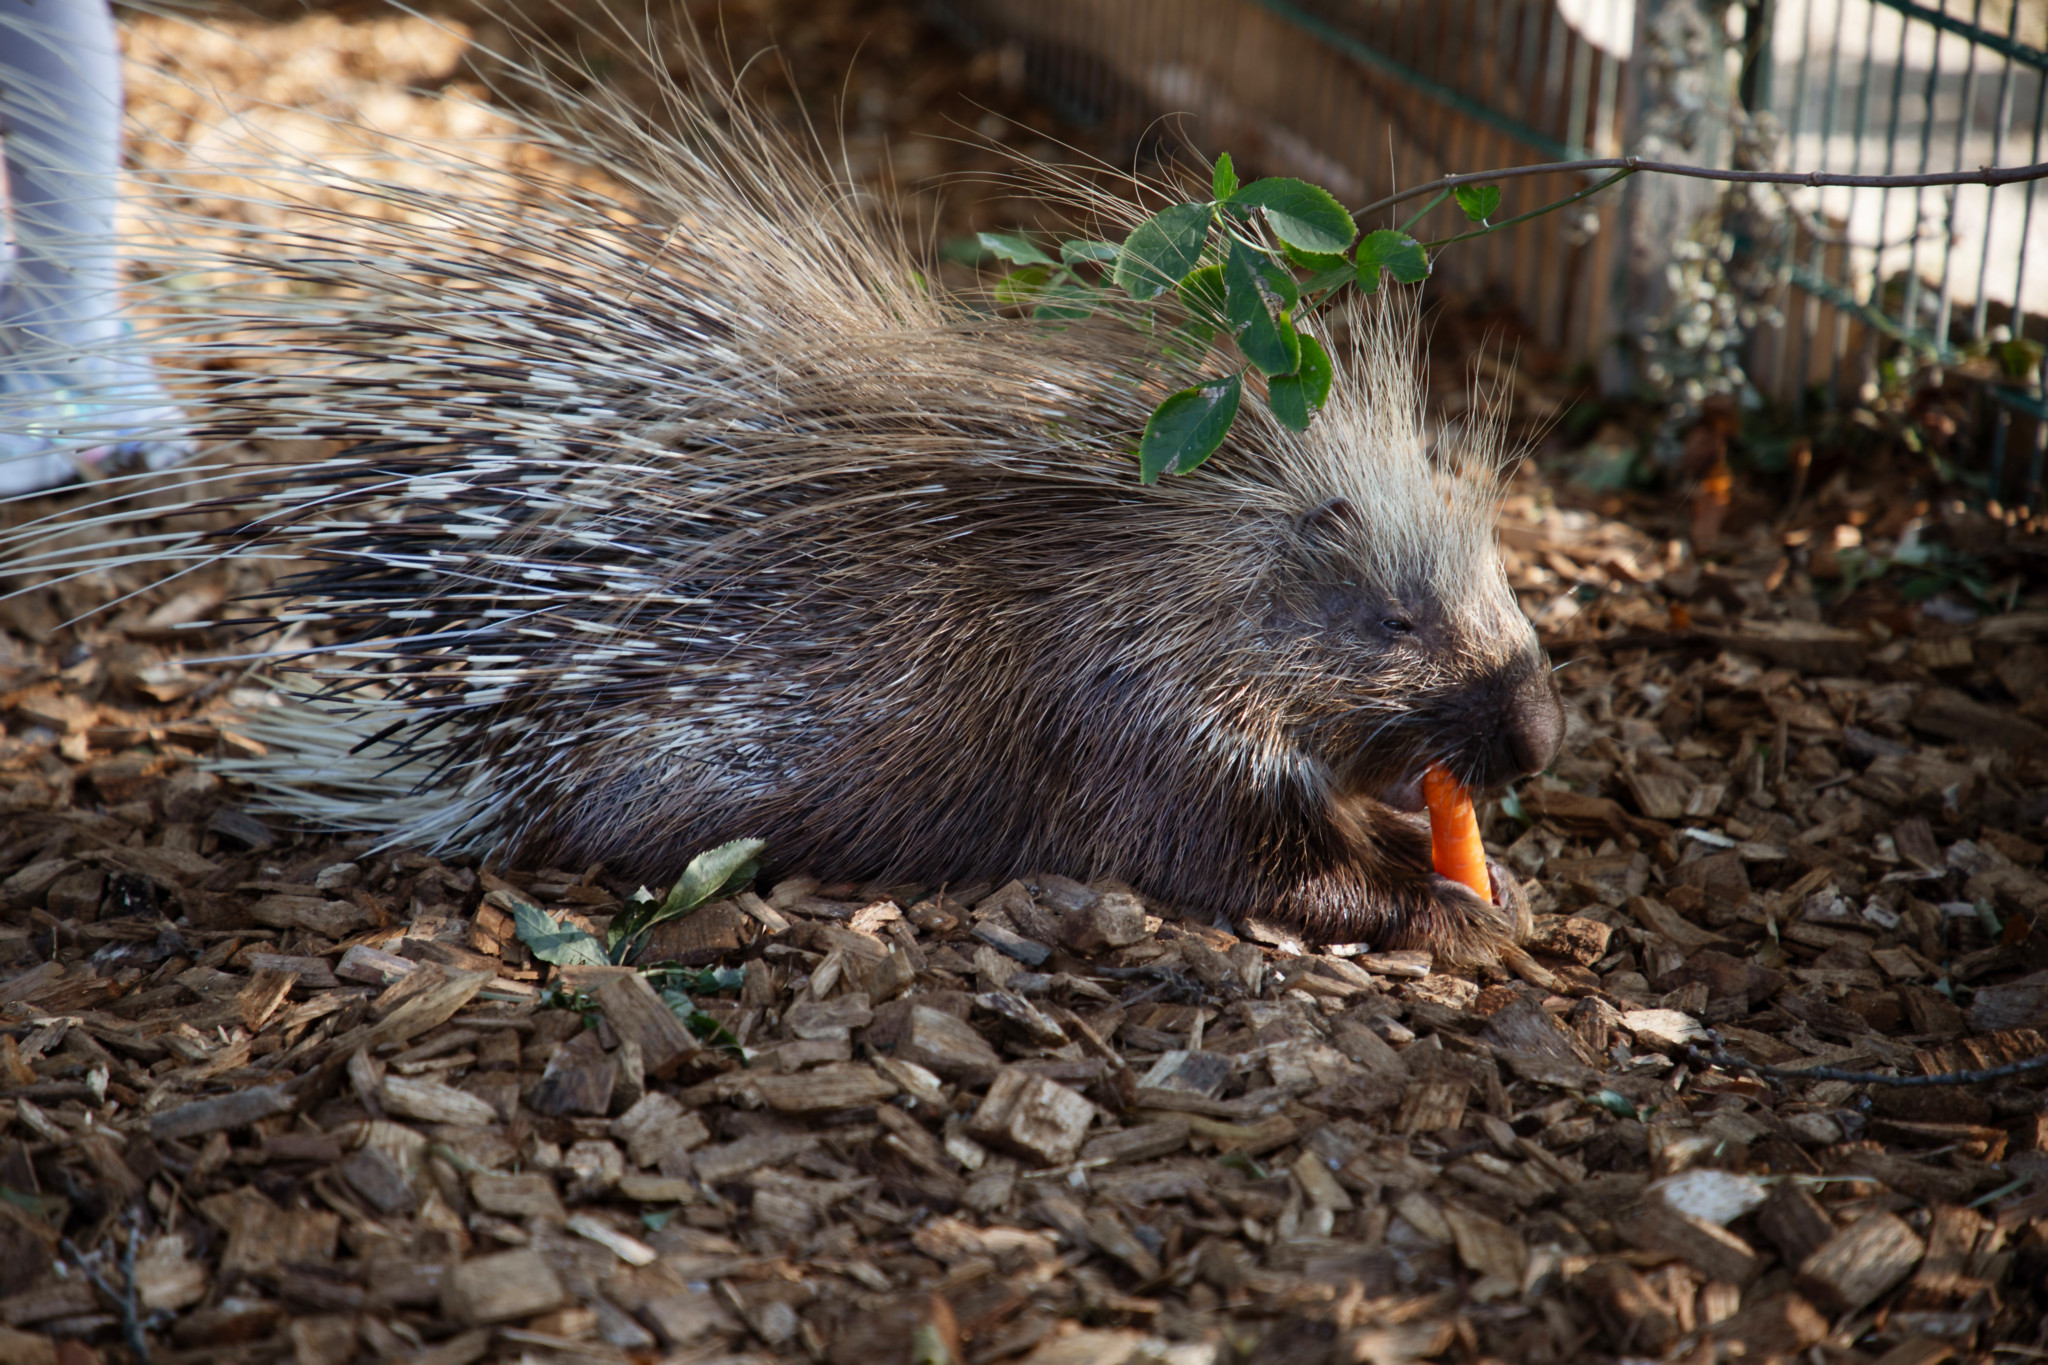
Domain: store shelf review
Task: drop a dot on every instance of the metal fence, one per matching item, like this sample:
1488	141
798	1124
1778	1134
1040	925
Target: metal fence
1357	95
1894	87
1363	95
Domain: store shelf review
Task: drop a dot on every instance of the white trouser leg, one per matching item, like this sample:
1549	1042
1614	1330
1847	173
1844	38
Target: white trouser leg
68	395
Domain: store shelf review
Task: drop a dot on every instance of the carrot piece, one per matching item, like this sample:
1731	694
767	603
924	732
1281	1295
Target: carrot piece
1454	844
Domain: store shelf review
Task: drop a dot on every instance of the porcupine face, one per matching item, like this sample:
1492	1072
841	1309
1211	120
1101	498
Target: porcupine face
1412	653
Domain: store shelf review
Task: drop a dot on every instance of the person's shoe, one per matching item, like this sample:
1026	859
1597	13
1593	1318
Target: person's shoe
53	433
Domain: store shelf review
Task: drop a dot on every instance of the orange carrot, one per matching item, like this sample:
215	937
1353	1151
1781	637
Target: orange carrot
1454	844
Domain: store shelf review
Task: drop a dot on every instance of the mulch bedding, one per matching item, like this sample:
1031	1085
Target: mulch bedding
267	1094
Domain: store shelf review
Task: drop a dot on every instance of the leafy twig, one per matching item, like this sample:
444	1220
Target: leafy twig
1210	260
1565	202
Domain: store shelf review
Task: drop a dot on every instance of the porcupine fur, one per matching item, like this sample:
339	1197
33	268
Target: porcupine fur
693	513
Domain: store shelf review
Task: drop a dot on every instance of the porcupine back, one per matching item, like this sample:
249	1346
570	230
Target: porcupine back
694	512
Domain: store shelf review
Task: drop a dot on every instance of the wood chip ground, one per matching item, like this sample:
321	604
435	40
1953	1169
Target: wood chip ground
291	1100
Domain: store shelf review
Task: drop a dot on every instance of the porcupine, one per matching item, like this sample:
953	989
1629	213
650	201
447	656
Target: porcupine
695	512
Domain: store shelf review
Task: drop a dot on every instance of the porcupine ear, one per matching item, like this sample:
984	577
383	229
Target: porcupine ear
1335	513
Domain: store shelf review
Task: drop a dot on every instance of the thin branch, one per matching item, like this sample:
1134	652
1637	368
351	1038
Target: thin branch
1532	213
1720	1056
125	1299
1983	175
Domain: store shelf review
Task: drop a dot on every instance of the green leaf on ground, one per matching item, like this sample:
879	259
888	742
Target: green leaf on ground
1315	260
1065	301
1615	1104
729	866
1201	293
1022	287
564	945
1079	252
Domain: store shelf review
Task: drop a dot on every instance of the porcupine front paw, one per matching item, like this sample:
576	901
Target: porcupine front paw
1447	919
1414	910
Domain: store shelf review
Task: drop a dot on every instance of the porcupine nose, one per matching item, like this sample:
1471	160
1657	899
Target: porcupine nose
1533	728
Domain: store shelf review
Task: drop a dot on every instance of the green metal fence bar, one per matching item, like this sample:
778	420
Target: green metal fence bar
1976	34
1339	40
1826	290
1980	315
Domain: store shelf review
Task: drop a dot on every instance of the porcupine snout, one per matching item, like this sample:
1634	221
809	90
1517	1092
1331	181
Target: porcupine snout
1513	726
1532	724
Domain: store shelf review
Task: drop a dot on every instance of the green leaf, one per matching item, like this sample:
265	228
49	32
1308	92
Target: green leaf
1010	247
1201	293
1395	252
727	867
1315	260
1296	398
709	1030
1186	429
1279	281
1480	202
928	1347
2019	357
1065	301
1078	252
1258	314
1238	1161
1164	248
730	865
1224	181
1615	1104
1300	214
1336	277
49	1208
562	944
1021	287
697	980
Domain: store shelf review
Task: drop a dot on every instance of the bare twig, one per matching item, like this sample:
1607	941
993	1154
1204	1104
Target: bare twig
126	1300
1720	1056
1983	175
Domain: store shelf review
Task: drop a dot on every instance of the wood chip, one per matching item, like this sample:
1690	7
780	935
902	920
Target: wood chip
640	1016
432	1102
578	1080
1033	1117
628	1249
528	1195
1861	1261
826	1089
945	1046
224	1113
501	1288
1433	1105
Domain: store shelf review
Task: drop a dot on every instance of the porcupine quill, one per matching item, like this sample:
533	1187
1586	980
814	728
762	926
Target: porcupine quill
685	507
